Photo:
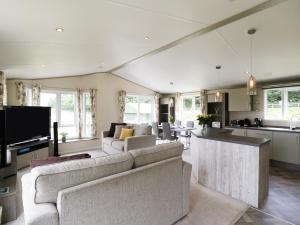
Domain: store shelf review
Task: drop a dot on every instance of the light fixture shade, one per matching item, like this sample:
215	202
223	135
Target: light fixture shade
218	96
251	86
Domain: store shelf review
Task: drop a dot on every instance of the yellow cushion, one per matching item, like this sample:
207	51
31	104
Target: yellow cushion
125	133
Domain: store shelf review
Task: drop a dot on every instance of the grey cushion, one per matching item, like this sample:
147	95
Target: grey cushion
117	144
49	180
145	156
142	130
118	131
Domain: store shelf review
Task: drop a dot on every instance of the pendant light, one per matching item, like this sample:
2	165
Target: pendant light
218	95
251	83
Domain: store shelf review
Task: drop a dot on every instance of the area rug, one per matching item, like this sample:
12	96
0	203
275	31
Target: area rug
208	207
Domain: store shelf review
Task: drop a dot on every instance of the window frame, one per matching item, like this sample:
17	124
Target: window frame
285	102
194	111
139	102
58	94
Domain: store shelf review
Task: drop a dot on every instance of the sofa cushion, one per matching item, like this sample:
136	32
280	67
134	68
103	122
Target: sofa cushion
126	133
118	131
113	128
50	179
145	156
108	140
118	144
142	130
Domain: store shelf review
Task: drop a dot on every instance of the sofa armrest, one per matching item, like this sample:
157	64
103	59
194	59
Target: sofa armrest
187	170
36	214
105	133
136	142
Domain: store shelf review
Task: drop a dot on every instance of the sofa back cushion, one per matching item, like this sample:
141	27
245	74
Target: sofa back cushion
142	129
145	156
50	179
113	128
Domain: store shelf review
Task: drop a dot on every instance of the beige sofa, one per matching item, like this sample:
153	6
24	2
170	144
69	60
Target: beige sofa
139	140
148	186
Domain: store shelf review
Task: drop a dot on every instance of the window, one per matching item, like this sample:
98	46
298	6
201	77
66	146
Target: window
139	109
190	108
63	110
282	103
28	96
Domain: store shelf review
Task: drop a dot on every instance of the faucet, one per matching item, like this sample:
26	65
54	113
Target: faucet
292	124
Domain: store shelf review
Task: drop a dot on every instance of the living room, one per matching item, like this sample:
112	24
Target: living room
149	113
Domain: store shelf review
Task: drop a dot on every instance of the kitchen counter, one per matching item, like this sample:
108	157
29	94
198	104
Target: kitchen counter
267	128
226	136
237	166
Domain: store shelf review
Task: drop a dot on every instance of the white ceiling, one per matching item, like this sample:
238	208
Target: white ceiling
103	34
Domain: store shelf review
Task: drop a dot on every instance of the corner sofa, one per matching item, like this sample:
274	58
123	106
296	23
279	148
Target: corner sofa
142	138
147	186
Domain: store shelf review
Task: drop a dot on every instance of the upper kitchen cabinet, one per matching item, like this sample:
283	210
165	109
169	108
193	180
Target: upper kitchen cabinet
239	100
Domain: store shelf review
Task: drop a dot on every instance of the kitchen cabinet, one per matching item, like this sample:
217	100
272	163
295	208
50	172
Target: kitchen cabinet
262	134
238	132
286	147
239	100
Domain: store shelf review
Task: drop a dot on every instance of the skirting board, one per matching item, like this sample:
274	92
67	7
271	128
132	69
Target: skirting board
285	165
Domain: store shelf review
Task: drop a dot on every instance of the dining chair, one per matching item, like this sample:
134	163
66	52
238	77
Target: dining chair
167	133
187	133
177	123
156	131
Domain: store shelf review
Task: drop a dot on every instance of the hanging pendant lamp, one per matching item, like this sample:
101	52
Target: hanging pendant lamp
251	83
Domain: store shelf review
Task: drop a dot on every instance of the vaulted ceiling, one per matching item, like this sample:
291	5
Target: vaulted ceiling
117	35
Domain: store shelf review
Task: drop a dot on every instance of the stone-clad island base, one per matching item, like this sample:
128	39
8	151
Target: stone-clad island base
234	165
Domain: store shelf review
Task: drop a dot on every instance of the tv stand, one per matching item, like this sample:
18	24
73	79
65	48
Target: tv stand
37	149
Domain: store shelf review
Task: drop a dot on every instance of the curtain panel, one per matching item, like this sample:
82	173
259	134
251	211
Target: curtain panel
2	89
156	107
79	110
21	93
36	94
122	98
93	93
203	102
177	106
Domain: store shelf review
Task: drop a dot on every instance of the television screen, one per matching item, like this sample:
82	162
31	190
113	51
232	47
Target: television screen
24	123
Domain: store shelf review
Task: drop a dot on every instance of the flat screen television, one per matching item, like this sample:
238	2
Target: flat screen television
1	125
24	123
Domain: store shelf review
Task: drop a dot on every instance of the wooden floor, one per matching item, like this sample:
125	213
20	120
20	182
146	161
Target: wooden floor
283	203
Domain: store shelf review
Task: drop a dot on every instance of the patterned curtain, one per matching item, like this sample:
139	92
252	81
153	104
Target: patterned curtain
177	106
2	90
156	108
122	97
203	102
79	109
21	93
36	94
93	93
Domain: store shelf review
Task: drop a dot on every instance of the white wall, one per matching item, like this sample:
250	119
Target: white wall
108	87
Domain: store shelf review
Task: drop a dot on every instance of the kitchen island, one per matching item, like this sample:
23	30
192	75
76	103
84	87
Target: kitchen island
234	165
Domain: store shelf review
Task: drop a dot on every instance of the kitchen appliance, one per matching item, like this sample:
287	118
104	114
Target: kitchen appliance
247	122
241	123
258	122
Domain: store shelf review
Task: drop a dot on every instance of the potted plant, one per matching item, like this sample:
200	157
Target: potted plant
64	136
172	119
204	120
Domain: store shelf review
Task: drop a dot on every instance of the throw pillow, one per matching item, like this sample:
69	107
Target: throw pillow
113	128
118	131
125	133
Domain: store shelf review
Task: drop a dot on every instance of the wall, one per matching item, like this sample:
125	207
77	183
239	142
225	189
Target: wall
108	87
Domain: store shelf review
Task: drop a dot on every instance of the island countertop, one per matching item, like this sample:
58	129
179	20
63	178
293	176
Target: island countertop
225	135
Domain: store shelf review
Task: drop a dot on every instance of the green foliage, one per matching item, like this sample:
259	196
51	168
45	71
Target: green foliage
171	119
67	102
204	119
131	99
274	96
188	103
294	96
